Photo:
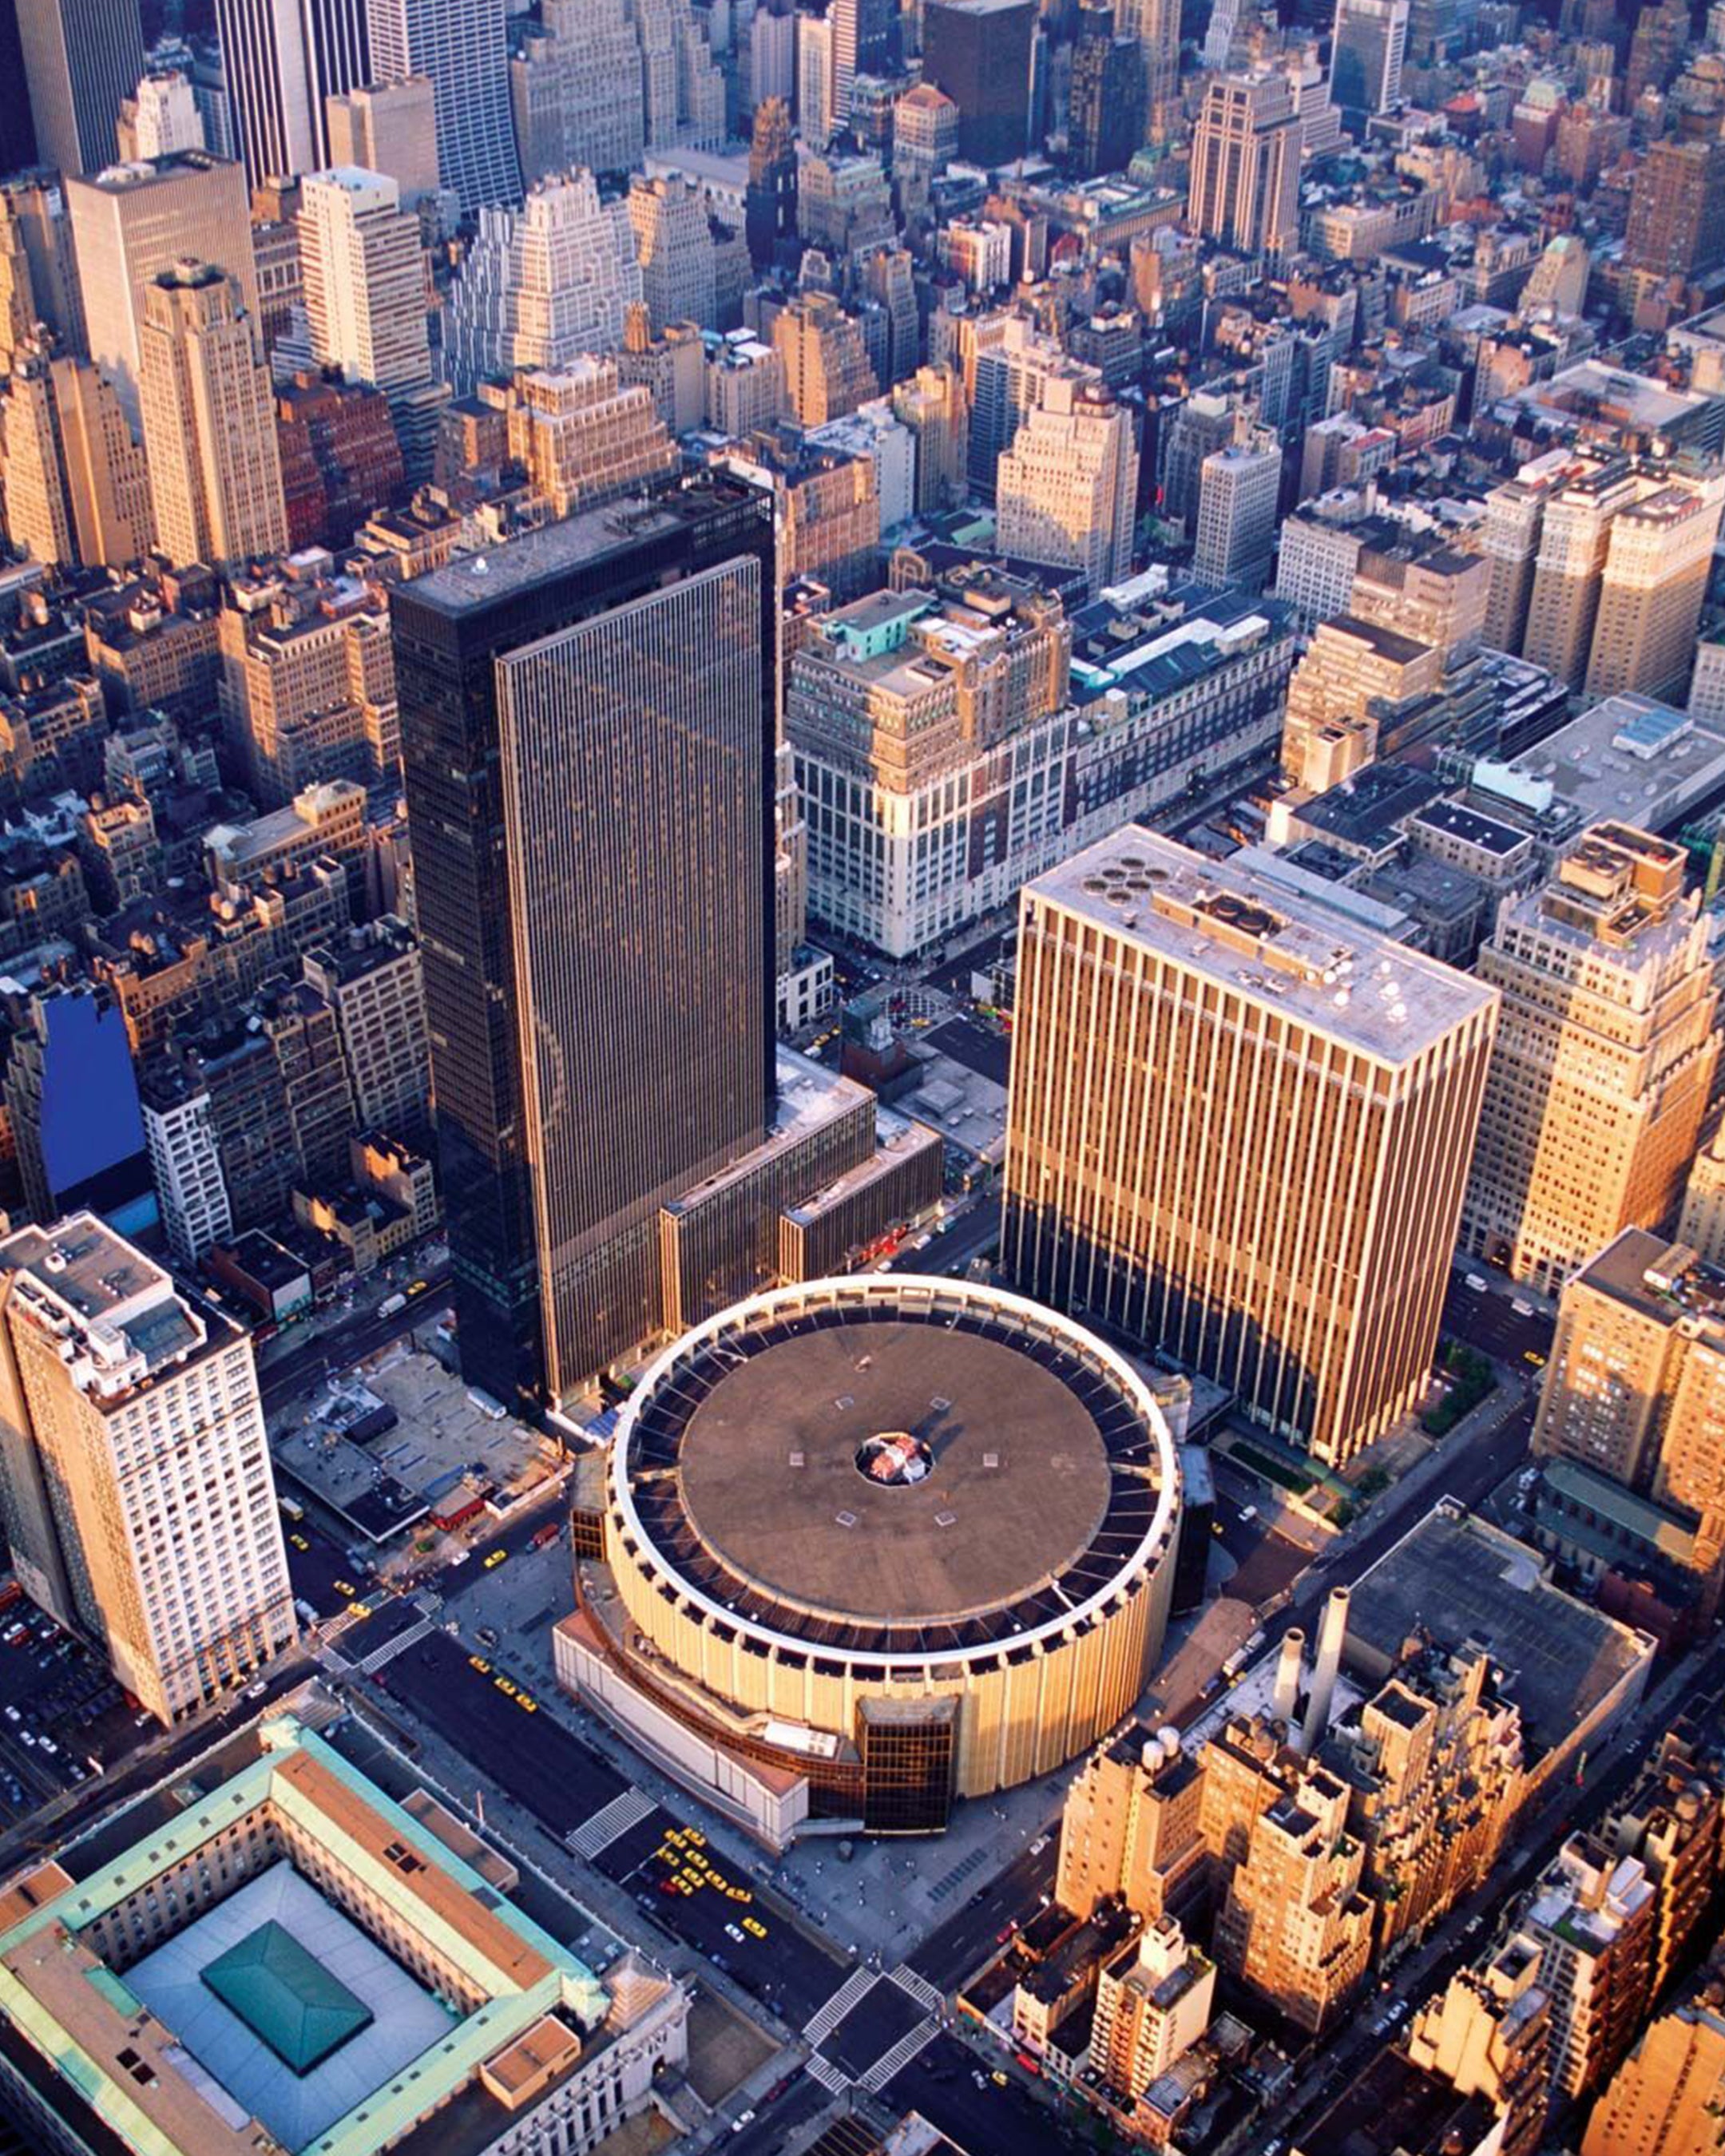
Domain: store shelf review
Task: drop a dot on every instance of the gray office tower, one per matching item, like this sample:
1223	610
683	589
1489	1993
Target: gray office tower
81	58
589	721
462	45
282	63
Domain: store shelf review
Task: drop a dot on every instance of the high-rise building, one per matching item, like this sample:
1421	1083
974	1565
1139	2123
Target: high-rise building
632	661
82	60
76	487
1288	1235
1246	165
1238	489
1295	1927
131	222
826	368
931	404
39	279
284	58
1105	107
139	1502
71	1094
1130	1831
862	45
584	437
1592	1918
1509	542
1702	1225
674	246
463	46
1658	558
578	94
979	52
815	118
1603	1060
1488	2034
541	285
388	127
1366	52
1152	2005
1155	26
210	423
1634	1391
365	294
374	982
160	117
1353	671
1575	538
1675	227
1668	2097
770	212
185	1162
1066	491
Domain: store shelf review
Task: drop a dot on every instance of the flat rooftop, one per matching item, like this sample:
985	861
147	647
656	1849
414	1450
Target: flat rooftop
1630	760
115	1293
1293	952
538	558
1018	1472
1455	1577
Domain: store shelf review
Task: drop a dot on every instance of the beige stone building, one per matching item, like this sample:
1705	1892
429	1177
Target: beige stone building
1352	668
932	405
135	1480
1067	491
1592	1918
1652	584
1702	1223
1488	2034
1668	2098
210	423
1130	1830
1246	165
1634	1389
77	490
1153	2003
1238	1126
1603	1060
308	684
585	436
826	368
1295	1927
131	222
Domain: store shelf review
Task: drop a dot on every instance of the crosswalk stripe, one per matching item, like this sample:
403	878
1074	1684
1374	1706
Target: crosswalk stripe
899	2057
608	1824
826	2018
918	1988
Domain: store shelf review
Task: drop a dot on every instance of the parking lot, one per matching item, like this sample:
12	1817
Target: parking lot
62	1716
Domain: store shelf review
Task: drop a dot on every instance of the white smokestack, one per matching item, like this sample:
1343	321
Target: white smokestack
1332	1636
1288	1672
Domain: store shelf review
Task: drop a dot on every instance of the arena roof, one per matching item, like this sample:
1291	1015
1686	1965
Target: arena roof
1045	1470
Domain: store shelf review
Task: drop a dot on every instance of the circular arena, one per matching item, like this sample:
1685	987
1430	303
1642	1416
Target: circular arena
906	1538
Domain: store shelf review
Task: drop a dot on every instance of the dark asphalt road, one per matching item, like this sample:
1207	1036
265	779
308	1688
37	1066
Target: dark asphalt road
950	1953
990	2121
545	1767
300	1368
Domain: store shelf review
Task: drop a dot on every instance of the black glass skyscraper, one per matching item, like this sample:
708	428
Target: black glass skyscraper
589	722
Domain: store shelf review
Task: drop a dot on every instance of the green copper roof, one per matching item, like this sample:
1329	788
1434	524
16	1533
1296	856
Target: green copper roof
285	1997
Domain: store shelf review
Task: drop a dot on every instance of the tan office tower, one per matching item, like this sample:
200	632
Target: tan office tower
1129	1832
1655	578
1592	1917
1351	671
584	437
1509	542
1244	188
131	222
1604	1061
1636	1388
1154	25
1702	1223
160	117
931	405
76	487
1668	2098
365	286
388	127
826	367
209	423
1152	2005
1238	1128
1295	1928
135	1480
1574	536
1489	2033
39	280
1067	488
